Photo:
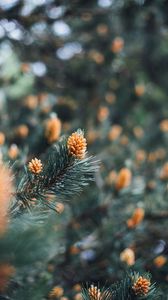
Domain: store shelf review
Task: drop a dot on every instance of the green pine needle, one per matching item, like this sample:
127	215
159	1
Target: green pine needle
63	176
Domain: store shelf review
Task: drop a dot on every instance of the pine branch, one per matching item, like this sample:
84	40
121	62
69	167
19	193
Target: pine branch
63	173
132	287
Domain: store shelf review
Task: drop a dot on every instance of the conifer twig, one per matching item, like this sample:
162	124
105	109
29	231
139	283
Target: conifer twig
62	173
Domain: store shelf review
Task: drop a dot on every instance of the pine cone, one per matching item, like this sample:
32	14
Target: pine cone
141	286
123	179
53	129
77	145
56	292
136	218
35	166
94	293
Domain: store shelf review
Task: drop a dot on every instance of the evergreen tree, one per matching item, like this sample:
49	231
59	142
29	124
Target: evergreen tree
100	66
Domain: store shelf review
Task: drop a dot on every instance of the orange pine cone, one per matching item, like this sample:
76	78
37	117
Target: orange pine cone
56	292
141	286
128	256
77	145
117	45
13	151
123	179
136	218
35	166
53	129
160	261
94	293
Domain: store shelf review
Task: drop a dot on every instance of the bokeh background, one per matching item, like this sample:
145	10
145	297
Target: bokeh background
102	66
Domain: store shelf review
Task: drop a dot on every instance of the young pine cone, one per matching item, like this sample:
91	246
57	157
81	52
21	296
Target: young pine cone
35	166
52	130
141	286
94	293
77	145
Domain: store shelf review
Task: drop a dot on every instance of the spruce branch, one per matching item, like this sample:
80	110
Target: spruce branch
61	173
